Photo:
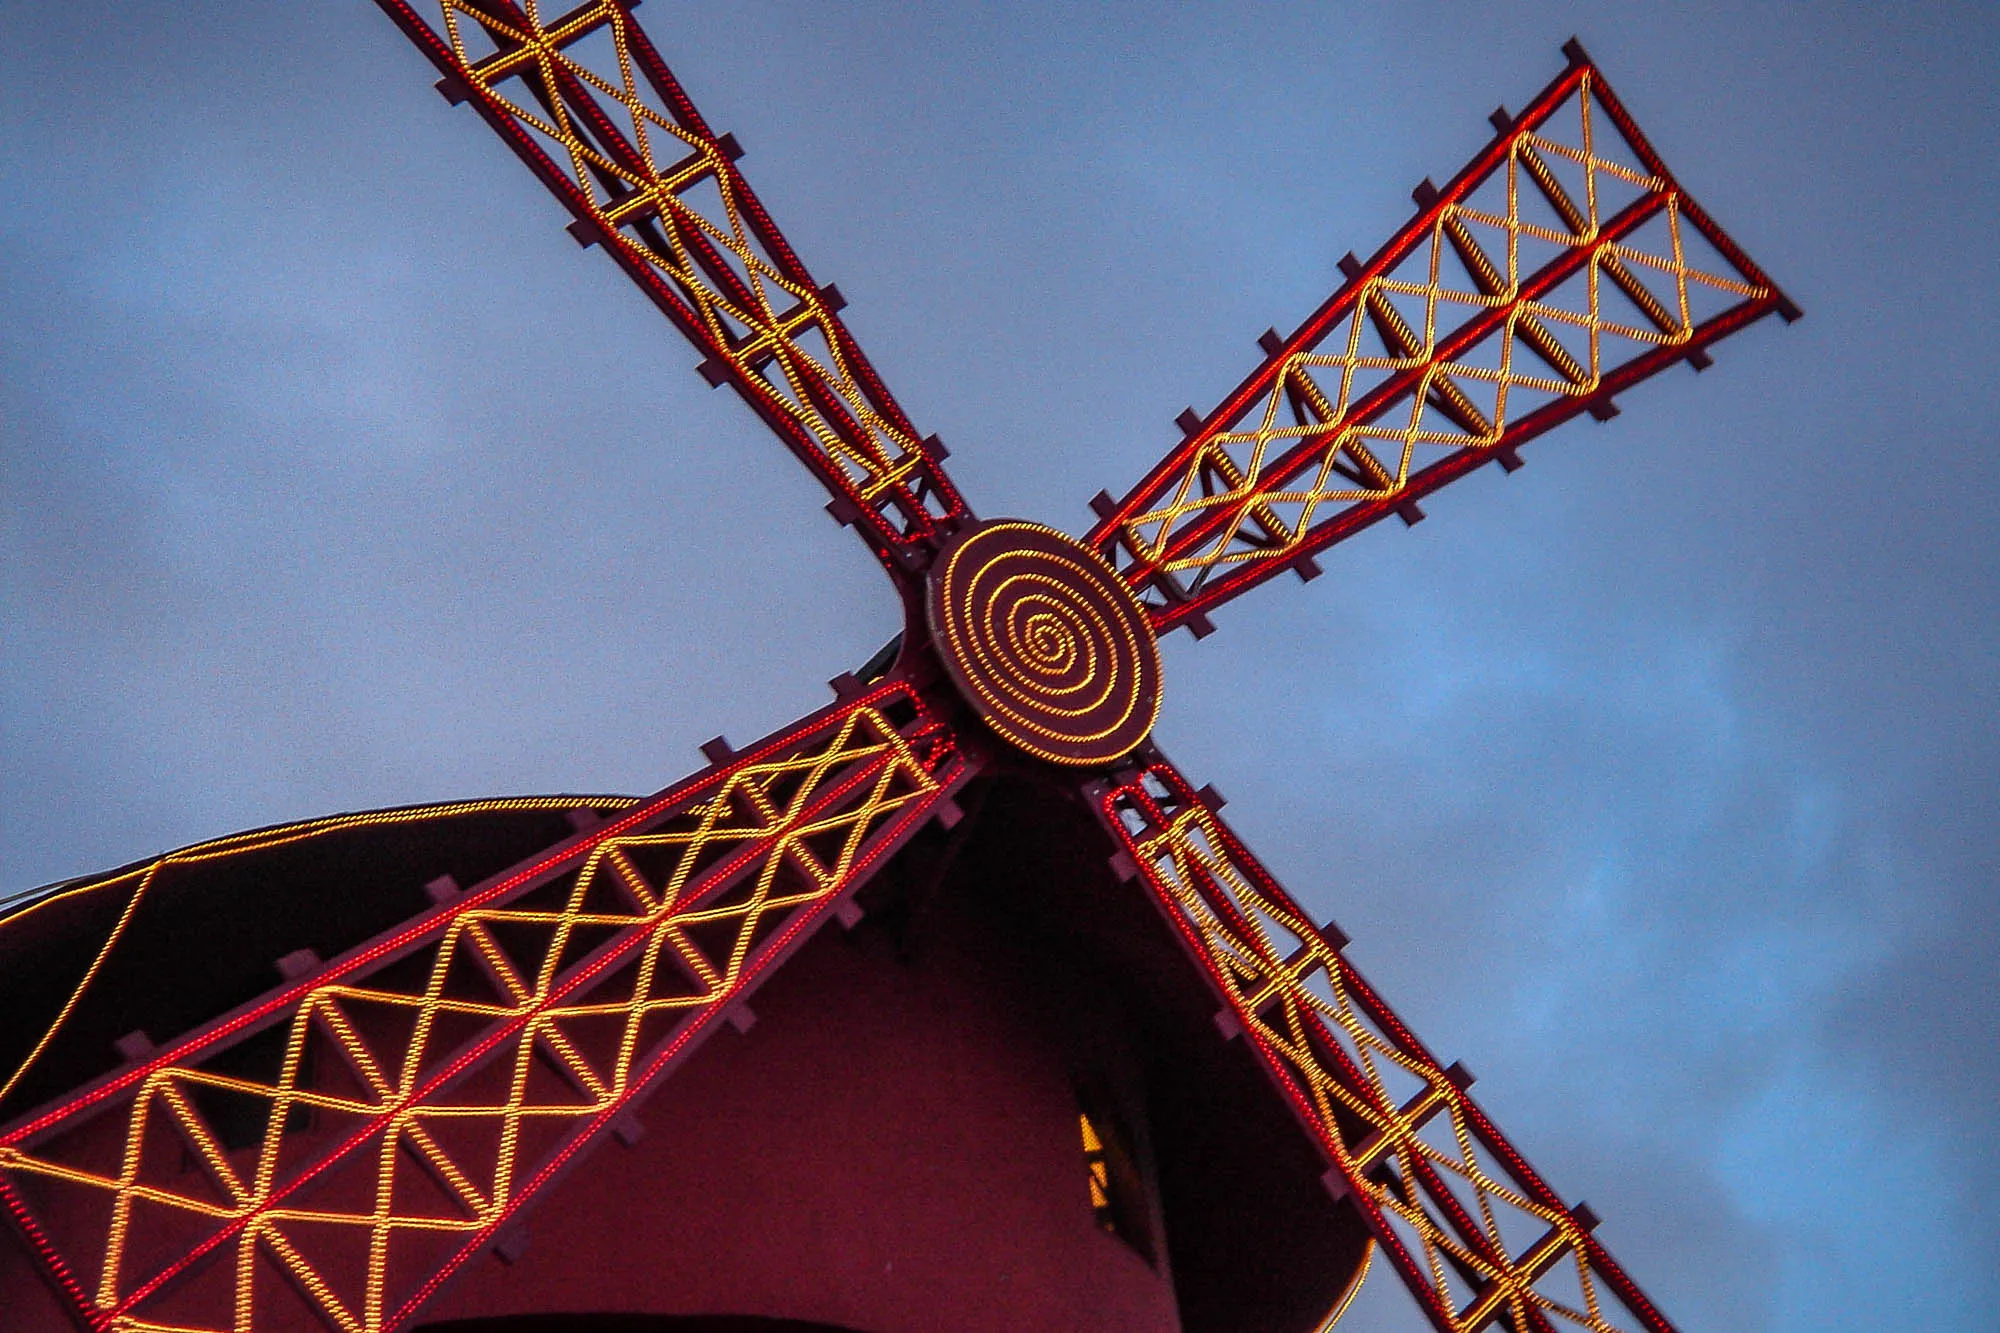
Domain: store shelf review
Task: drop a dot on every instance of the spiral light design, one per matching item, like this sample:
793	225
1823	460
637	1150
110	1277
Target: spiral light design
1045	641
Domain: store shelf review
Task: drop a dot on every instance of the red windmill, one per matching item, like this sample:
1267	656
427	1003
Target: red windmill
1060	963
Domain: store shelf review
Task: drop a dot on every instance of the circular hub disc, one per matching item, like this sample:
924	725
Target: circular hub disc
1044	639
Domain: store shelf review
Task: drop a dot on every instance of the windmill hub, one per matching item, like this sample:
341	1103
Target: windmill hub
1045	641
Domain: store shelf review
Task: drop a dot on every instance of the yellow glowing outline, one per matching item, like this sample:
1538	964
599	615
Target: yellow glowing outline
1282	965
761	805
964	598
783	312
236	844
1237	458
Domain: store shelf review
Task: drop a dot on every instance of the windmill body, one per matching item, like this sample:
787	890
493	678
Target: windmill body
1068	1056
890	1141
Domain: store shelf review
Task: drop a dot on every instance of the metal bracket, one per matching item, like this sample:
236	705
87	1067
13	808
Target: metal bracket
510	1243
298	963
134	1046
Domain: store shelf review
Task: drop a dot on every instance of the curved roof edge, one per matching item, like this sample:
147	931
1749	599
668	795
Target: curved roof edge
17	901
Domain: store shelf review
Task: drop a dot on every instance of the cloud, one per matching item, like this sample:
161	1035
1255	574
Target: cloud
1655	781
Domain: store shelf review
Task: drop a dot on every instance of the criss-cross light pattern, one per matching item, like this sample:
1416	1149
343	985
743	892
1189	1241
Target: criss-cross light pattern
136	883
1475	1233
1562	265
430	1083
345	1143
586	100
1051	650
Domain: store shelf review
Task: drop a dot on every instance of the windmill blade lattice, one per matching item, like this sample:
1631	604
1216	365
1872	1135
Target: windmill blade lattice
451	1068
1561	266
585	100
1476	1235
434	1080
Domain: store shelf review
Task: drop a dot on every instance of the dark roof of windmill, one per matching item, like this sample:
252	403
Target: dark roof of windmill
210	922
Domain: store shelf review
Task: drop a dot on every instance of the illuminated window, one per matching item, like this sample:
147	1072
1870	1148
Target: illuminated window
1100	1173
1117	1198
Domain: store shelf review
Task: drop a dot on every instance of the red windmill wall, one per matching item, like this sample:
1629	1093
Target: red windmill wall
892	1146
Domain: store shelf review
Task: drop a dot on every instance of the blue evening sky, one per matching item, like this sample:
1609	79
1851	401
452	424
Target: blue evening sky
1657	781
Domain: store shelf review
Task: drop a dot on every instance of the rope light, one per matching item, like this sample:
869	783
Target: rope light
1337	427
619	142
140	879
1339	1310
1045	641
694	900
1451	347
1339	1054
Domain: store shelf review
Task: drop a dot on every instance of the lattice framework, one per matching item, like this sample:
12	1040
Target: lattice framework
588	104
427	1085
464	1061
137	882
1561	266
1474	1232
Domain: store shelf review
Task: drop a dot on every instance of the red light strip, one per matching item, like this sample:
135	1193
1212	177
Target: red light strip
431	923
611	952
1187	858
773	952
54	1267
899	550
1338	306
944	769
1198	533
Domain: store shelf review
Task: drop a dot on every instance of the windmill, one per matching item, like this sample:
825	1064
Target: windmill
490	1040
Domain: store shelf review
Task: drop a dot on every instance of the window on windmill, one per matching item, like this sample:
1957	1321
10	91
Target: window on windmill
1117	1197
1100	1173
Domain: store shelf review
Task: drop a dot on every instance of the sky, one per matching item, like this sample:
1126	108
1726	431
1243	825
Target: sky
1655	781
